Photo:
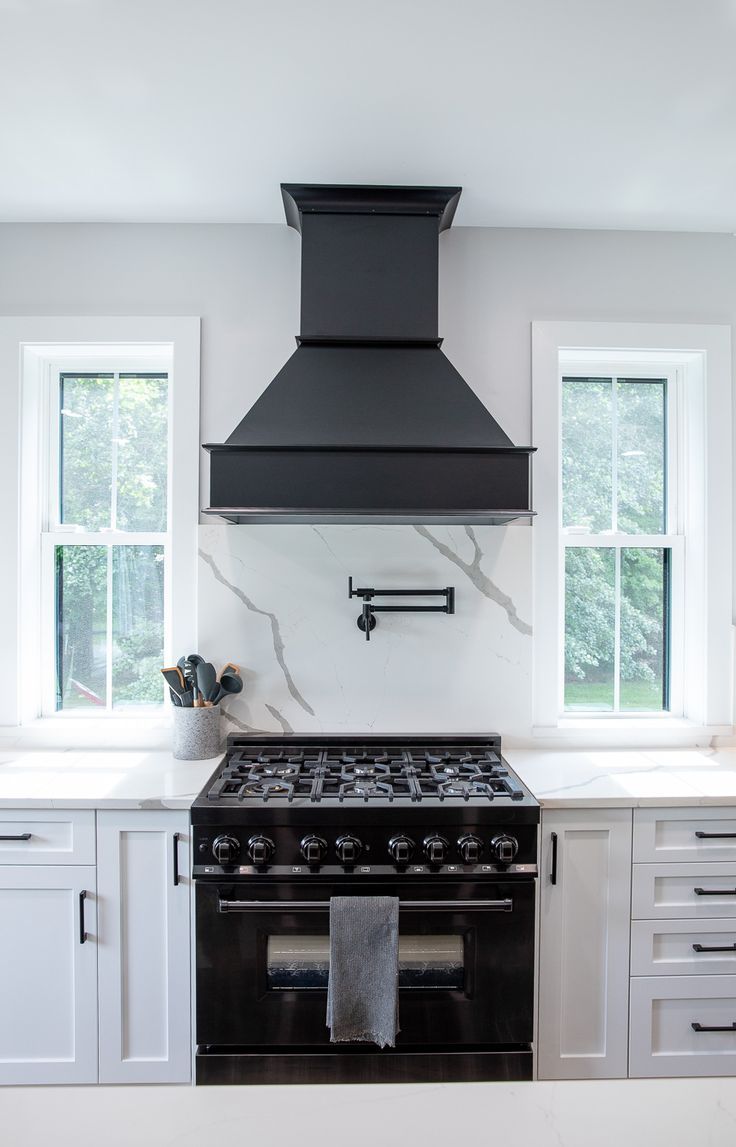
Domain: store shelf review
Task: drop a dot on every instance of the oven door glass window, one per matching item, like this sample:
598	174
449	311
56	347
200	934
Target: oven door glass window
302	963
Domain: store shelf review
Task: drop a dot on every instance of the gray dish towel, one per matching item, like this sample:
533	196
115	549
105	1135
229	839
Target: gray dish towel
363	988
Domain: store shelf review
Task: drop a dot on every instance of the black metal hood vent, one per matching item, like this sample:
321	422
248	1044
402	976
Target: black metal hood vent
369	421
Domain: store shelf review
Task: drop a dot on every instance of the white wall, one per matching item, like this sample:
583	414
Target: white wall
286	586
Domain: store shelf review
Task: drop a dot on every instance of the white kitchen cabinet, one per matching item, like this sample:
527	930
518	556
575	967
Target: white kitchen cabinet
144	949
48	974
585	887
683	1026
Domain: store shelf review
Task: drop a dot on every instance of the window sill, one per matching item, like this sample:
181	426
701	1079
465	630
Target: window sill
131	732
627	732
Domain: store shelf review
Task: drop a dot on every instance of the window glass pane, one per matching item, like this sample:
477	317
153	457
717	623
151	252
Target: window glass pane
587	430
641	456
303	962
142	442
137	625
81	620
85	450
644	629
589	628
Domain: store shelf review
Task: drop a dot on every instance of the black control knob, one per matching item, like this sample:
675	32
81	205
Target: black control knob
225	849
470	848
504	848
260	849
314	849
436	849
401	849
348	849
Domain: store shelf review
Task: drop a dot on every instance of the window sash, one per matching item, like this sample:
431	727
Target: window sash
673	539
675	543
55	533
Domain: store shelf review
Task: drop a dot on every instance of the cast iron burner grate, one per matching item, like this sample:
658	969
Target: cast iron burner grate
388	773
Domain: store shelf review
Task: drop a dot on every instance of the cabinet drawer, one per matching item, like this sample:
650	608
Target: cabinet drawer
684	834
663	1040
47	837
683	948
676	891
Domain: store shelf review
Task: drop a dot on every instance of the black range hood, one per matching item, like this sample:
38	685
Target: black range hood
368	421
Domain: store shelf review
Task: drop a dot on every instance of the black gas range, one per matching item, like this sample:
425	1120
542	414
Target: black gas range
440	822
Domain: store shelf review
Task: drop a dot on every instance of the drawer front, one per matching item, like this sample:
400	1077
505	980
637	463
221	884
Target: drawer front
683	948
663	1039
684	835
47	837
683	891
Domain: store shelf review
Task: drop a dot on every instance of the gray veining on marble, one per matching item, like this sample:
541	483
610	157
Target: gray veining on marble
278	644
479	579
470	671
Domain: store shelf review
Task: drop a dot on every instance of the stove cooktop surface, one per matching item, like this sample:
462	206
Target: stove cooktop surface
363	772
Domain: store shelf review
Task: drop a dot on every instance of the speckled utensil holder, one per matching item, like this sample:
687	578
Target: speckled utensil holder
196	733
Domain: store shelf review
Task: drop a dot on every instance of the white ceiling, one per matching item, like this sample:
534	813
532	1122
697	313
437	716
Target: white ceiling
550	113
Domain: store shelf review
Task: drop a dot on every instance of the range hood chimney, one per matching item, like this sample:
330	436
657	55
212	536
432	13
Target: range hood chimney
368	421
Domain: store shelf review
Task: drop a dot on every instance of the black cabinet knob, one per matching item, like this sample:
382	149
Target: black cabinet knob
260	850
470	848
348	849
436	849
401	849
314	849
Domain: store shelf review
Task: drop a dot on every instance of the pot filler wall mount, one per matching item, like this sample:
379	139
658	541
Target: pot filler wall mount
368	421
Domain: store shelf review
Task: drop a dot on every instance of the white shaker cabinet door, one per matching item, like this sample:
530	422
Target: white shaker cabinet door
585	888
143	866
48	975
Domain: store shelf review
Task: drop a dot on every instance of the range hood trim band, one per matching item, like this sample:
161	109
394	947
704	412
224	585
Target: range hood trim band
275	515
335	448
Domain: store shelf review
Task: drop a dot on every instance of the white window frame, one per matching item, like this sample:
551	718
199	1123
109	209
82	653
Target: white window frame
698	359
30	349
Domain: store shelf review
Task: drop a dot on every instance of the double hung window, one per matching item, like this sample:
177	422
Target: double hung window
622	549
632	540
105	539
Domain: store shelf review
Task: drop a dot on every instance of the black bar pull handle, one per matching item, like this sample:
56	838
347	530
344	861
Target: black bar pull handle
715	835
18	836
176	859
714	891
553	873
82	933
714	948
705	1028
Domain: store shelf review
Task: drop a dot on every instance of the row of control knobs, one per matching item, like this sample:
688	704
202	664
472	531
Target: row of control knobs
402	849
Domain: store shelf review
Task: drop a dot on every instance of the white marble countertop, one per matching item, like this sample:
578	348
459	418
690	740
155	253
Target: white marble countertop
140	778
607	778
100	778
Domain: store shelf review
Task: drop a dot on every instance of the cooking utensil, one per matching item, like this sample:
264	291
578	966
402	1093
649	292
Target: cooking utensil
175	679
230	668
230	684
194	660
207	680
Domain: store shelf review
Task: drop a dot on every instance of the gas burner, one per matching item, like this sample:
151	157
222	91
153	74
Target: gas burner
265	789
464	789
354	772
365	790
448	771
286	771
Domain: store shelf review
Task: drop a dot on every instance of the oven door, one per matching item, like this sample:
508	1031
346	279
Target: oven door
466	964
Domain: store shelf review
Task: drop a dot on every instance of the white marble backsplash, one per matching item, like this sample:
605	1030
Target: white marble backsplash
274	599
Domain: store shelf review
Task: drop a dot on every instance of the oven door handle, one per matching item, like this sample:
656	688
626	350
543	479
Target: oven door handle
506	905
